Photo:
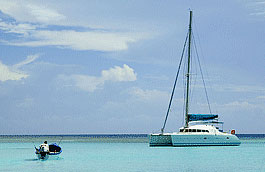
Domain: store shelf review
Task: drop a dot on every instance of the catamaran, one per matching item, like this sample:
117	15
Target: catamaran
199	129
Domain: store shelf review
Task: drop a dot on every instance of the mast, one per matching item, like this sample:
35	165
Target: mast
188	75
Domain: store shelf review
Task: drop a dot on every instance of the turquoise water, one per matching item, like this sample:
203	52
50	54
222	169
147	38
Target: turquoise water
129	154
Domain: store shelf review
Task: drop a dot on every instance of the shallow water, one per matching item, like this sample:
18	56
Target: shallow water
128	154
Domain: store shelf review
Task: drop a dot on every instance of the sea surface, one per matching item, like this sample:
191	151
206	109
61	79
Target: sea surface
129	152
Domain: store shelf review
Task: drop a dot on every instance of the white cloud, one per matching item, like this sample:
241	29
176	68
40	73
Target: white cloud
242	106
17	28
91	83
6	73
83	82
32	22
28	60
28	12
239	88
43	14
149	95
239	104
90	40
119	74
258	7
13	72
261	97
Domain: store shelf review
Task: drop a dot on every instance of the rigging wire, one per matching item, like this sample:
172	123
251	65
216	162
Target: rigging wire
209	84
207	98
172	94
192	75
193	79
60	141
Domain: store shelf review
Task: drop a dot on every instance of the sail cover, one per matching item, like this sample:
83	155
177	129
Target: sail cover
201	117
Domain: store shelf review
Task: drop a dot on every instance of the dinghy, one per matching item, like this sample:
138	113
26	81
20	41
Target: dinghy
45	150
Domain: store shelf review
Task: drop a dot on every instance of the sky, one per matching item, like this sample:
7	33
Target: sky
83	67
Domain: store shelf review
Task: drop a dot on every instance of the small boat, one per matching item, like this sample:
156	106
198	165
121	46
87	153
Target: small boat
45	150
199	129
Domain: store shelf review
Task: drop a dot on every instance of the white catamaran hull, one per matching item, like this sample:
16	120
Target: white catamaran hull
205	140
178	140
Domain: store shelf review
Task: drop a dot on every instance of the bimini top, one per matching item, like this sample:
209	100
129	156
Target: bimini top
201	117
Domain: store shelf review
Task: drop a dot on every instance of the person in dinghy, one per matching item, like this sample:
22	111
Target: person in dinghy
43	150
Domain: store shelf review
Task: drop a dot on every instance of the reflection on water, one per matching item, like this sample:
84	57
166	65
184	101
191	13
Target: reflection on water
36	159
50	158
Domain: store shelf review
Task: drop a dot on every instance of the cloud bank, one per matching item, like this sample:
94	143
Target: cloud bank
90	40
92	83
148	95
36	25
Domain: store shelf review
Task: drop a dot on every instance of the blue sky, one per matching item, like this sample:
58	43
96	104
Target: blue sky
109	66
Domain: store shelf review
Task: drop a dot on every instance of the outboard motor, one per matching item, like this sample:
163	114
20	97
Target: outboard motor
43	151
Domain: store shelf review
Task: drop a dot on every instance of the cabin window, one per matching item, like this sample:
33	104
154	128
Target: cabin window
181	130
189	130
203	130
207	131
193	130
186	130
199	130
